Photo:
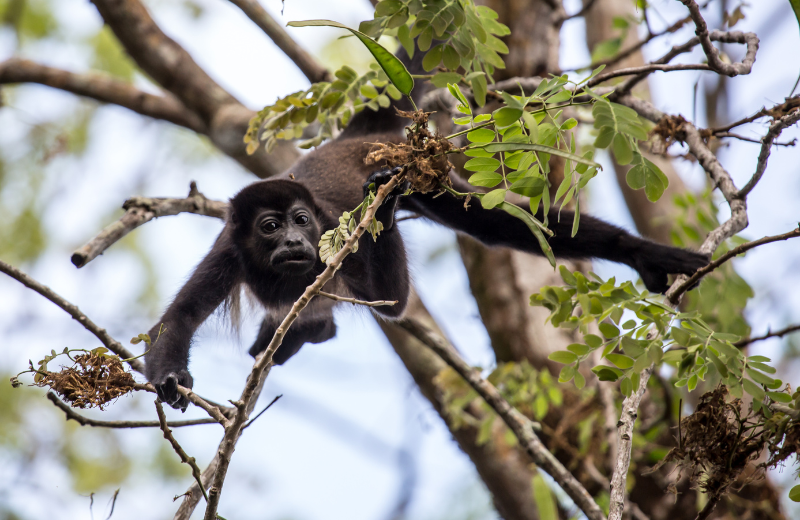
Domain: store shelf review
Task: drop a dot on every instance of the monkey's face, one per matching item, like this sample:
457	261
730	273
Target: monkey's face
284	240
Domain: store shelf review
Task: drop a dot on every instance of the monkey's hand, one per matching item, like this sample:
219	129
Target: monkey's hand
166	385
385	213
656	261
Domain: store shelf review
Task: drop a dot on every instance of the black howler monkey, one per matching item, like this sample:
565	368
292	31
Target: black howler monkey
269	244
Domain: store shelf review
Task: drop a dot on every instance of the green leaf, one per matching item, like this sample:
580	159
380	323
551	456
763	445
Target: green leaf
609	330
493	198
508	147
545	502
593	340
780	397
481	135
753	389
580	381
621	360
480	164
486	179
562	356
432	58
506	116
566	374
579	348
796	8
794	493
534	225
622	149
451	58
393	67
758	377
479	88
626	387
528	186
645	174
607	373
441	79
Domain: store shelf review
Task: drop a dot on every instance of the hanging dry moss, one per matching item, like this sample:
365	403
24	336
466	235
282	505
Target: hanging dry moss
92	381
423	154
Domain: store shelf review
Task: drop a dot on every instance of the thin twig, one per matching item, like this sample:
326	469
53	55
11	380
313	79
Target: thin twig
774	131
259	414
683	287
722	135
185	458
645	69
777	334
264	360
522	427
585	9
140	210
378	303
709	507
304	61
73	310
85	421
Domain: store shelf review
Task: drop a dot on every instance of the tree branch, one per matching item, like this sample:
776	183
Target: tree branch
140	210
777	334
174	69
774	131
304	61
711	52
379	303
185	458
521	426
676	292
85	421
73	310
103	89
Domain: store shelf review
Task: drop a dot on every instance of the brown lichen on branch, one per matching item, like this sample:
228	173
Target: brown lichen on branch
93	380
424	154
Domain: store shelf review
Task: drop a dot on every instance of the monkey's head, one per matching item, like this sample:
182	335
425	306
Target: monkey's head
276	227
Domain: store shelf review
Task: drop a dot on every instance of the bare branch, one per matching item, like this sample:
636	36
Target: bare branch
140	210
264	360
748	39
676	292
645	70
777	334
722	135
379	303
73	310
185	458
717	65
104	89
174	69
586	6
522	427
304	61
767	141
85	421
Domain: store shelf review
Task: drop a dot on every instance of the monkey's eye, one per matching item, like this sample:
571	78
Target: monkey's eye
301	220
269	226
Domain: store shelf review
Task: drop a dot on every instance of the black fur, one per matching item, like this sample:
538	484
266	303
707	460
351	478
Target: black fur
326	182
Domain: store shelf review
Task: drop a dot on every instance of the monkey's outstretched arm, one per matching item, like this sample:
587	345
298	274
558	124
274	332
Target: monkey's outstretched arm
166	364
595	238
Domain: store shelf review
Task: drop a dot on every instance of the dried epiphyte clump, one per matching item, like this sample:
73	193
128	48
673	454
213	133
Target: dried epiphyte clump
424	154
670	129
717	441
94	380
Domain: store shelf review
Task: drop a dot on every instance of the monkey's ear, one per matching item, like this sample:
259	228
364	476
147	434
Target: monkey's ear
233	218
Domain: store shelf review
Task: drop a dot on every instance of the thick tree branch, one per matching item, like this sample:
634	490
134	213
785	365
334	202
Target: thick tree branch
73	310
140	210
86	421
522	427
304	61
174	69
103	89
185	458
738	250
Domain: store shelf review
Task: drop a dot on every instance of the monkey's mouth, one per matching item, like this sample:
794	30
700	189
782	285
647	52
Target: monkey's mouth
293	260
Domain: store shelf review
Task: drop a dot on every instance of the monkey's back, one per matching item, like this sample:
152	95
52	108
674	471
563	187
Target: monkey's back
335	172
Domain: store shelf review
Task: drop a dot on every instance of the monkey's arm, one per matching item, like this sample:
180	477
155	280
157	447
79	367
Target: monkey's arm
308	328
595	238
167	361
